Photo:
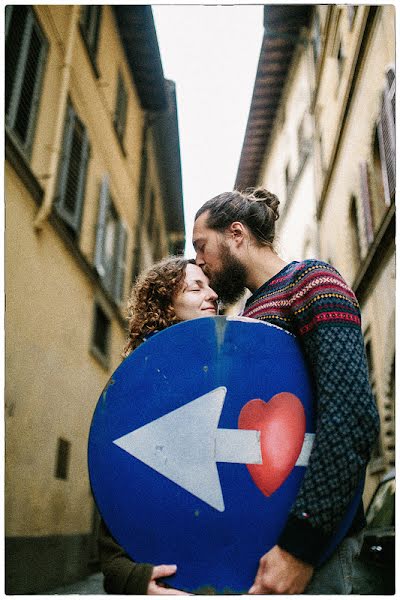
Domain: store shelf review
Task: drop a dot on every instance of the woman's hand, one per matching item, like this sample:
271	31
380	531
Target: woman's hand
158	589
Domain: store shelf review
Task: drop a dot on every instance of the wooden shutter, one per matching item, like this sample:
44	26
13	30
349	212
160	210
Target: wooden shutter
366	201
120	262
83	167
15	42
64	162
73	169
101	226
387	144
25	54
120	108
90	23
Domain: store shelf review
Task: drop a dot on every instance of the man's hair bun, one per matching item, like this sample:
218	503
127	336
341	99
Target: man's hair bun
260	194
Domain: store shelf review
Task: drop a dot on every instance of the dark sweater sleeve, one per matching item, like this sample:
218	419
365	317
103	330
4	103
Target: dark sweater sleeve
121	574
328	325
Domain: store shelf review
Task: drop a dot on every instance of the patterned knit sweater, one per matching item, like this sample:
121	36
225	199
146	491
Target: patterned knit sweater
311	300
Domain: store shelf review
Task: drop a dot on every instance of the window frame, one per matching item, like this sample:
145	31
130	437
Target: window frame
32	24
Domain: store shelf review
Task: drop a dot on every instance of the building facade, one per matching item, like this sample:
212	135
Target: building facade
93	194
321	135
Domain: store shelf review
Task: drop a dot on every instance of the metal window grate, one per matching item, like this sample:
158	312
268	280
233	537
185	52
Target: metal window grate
63	458
101	331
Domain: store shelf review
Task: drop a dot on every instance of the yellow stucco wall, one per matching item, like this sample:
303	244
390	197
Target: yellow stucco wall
296	228
53	380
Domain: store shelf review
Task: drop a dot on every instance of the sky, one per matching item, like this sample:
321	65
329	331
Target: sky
211	52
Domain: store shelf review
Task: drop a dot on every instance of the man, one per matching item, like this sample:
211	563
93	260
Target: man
233	237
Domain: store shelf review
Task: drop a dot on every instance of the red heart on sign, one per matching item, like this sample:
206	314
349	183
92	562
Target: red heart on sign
282	424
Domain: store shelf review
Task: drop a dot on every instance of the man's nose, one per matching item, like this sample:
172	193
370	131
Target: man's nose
199	260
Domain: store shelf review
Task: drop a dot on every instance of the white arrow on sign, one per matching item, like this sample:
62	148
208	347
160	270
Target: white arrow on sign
185	445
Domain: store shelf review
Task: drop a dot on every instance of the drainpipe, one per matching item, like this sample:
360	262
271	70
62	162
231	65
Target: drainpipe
45	208
141	192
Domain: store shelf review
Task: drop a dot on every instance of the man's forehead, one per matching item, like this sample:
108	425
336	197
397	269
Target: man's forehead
201	220
200	229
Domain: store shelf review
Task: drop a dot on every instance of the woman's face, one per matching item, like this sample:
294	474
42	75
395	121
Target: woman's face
196	298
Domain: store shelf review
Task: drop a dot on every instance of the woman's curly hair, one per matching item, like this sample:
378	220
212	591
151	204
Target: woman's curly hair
150	302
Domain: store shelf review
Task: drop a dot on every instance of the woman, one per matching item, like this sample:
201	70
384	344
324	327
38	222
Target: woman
173	290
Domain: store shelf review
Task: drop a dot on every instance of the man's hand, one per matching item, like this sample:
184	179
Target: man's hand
158	589
281	573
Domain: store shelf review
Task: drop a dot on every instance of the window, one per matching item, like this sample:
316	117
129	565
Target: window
389	416
303	139
120	109
25	55
90	27
387	137
377	449
378	170
287	182
351	13
101	335
340	60
156	242
72	171
366	201
63	456
111	240
151	214
316	37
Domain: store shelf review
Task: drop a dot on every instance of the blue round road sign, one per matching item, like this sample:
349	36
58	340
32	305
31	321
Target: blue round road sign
198	447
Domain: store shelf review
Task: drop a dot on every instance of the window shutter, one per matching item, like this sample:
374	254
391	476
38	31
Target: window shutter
387	147
101	226
26	116
73	169
25	54
366	201
65	160
16	42
90	23
80	193
120	265
120	108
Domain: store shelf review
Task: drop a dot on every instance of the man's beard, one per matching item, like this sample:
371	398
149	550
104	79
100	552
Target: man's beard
230	282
